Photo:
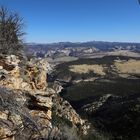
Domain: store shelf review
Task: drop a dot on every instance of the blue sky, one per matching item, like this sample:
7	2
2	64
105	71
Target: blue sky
78	20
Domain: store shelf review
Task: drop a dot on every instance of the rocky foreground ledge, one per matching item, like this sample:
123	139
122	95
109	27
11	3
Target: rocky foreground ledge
29	109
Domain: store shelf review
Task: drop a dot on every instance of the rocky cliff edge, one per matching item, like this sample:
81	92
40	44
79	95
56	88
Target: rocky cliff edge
29	109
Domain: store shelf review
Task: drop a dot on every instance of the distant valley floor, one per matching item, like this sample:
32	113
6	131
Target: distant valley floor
106	91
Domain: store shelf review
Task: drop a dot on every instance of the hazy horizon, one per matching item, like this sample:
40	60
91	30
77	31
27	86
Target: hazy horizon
81	42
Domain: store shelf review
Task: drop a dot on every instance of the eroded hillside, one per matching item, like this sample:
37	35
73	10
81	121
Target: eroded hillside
110	101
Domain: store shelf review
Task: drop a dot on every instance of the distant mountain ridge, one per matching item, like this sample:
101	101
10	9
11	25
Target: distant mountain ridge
102	45
78	49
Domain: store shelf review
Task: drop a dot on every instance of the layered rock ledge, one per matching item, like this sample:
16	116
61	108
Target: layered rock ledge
29	109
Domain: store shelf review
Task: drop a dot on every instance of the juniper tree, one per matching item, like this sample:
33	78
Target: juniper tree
11	31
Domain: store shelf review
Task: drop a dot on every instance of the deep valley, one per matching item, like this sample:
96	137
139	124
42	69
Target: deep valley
110	101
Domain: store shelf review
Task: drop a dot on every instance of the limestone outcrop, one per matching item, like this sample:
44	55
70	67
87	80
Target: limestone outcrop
28	105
